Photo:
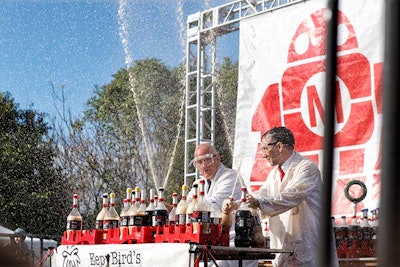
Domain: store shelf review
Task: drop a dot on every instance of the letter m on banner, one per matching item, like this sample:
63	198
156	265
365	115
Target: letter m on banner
281	83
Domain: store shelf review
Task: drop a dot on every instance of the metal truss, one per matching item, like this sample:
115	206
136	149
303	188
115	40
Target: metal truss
202	30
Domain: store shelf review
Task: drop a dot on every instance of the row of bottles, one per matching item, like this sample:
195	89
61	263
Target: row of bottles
356	239
135	212
197	214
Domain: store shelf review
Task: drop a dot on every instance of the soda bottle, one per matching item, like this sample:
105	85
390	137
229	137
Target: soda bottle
180	214
150	220
124	215
74	219
100	215
172	213
202	210
216	216
243	223
374	223
137	197
256	233
161	211
111	218
341	232
189	211
353	238
367	231
133	209
139	218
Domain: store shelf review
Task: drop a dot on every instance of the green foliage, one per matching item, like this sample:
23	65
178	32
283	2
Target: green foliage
226	99
31	191
128	135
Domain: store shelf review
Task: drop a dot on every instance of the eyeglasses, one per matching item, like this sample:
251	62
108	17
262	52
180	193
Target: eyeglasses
204	160
265	147
273	143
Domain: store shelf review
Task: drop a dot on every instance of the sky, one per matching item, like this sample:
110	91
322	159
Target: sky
76	45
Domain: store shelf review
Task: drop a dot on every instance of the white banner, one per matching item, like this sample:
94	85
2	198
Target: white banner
281	83
145	255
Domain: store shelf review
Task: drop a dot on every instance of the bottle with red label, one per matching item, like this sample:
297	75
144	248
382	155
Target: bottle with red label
172	213
139	218
374	223
354	235
134	207
367	246
189	211
216	214
341	232
74	219
202	210
161	212
111	218
124	215
180	214
243	223
100	215
150	220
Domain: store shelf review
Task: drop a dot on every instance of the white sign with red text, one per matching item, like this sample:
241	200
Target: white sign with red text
144	255
282	64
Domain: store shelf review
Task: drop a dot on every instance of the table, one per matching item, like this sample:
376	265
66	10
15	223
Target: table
213	253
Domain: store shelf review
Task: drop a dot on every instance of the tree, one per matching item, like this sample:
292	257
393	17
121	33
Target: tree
131	134
226	99
32	195
127	137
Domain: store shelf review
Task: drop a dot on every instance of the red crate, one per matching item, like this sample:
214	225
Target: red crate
84	237
217	235
134	235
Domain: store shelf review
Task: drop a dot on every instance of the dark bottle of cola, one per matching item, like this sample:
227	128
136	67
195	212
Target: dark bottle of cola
149	217
161	213
243	223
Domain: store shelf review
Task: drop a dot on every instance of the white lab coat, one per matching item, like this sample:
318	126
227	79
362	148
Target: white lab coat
293	208
223	185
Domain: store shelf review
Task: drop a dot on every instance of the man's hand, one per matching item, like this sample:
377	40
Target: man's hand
252	202
228	205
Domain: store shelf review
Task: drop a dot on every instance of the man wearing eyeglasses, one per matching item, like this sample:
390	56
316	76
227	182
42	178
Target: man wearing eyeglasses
290	198
219	179
221	183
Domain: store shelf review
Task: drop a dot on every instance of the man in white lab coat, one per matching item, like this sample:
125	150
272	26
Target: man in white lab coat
291	199
223	184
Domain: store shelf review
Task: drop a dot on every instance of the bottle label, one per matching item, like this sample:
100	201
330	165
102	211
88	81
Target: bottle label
131	221
160	217
243	219
110	224
99	224
139	220
149	218
216	220
74	225
124	221
201	216
180	219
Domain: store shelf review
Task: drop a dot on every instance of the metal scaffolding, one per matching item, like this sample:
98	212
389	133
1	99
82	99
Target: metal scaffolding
202	30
